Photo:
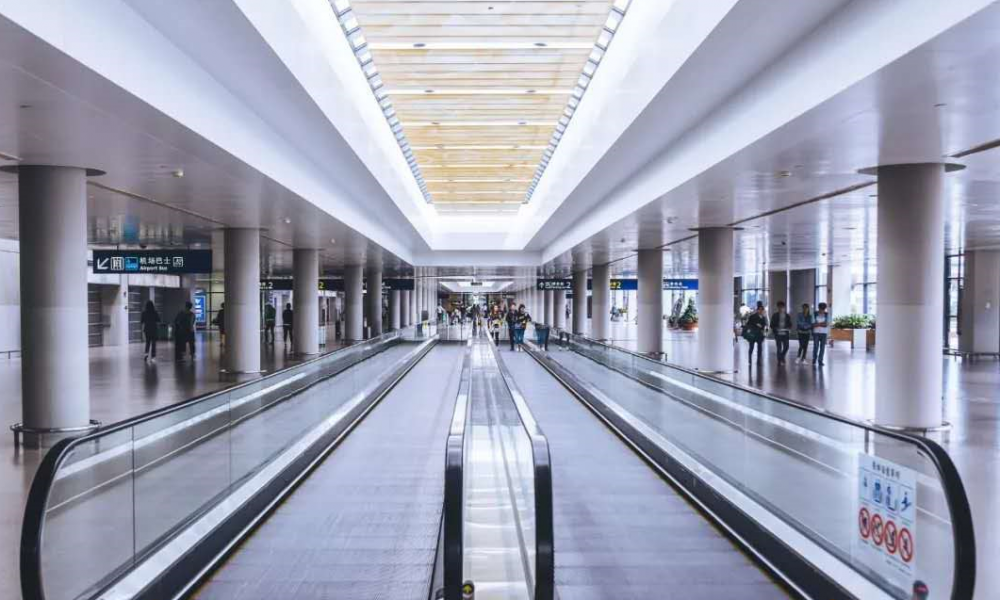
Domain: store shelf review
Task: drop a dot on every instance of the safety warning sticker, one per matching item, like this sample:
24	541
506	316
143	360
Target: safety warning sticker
886	515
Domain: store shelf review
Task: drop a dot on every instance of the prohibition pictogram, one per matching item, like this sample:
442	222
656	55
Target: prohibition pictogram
878	532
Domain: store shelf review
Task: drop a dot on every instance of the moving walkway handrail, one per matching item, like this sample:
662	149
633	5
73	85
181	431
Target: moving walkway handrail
31	544
452	512
963	533
542	467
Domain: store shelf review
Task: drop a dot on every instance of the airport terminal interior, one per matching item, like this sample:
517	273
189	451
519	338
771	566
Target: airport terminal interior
500	299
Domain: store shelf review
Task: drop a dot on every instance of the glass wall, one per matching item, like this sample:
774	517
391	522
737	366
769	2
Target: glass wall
822	285
863	288
754	289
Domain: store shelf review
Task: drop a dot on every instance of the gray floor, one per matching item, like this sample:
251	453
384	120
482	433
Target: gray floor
365	523
846	386
122	385
620	531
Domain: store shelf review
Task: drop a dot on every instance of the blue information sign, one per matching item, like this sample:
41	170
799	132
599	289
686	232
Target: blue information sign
161	262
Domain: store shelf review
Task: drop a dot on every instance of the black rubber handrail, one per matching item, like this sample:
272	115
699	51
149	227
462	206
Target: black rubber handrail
963	531
542	466
453	508
41	487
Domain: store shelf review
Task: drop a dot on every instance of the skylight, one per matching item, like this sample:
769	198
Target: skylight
479	91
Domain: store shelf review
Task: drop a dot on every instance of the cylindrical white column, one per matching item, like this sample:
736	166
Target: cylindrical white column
353	304
559	308
404	308
305	300
549	306
242	260
413	303
715	295
374	276
55	375
600	298
580	302
650	296
908	373
394	312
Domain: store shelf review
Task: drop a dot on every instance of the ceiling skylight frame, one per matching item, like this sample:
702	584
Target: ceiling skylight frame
351	28
612	24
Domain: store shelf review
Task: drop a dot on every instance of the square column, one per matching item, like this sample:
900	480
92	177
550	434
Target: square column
980	305
242	267
404	308
305	301
559	309
549	305
650	296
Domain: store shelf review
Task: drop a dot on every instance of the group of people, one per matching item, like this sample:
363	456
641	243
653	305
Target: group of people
514	320
184	328
808	326
184	324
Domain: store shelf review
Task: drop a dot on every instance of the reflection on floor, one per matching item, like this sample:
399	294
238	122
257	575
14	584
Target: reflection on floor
846	386
122	385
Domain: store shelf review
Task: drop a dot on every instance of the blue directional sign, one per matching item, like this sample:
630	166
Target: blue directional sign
160	262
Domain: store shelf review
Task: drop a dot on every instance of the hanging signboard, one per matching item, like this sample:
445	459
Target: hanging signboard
200	315
554	284
886	538
160	262
680	284
397	284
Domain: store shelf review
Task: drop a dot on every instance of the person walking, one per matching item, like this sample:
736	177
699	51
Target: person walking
270	320
820	331
781	325
512	325
523	318
754	331
184	332
150	322
803	326
287	318
495	322
220	322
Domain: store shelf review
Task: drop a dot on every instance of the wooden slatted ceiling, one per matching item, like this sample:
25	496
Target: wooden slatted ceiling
479	86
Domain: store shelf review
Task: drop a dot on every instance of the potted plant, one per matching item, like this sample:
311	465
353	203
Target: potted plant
689	318
854	328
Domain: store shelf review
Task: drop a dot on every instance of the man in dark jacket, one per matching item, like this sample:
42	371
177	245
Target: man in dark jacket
755	329
184	331
287	316
781	325
511	318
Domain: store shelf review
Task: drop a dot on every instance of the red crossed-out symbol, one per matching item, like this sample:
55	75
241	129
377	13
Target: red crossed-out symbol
865	523
905	542
877	531
890	537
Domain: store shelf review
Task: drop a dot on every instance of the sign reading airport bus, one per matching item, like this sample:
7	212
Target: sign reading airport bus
554	284
158	262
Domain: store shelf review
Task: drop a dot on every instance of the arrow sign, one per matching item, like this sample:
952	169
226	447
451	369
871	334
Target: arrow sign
102	264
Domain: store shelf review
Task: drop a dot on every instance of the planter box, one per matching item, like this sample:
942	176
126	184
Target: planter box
857	338
689	327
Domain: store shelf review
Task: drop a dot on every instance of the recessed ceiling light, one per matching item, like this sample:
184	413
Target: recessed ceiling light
287	221
784	173
333	240
178	173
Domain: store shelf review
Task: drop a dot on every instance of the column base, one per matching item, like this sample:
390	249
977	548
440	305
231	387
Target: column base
715	373
231	372
943	427
45	437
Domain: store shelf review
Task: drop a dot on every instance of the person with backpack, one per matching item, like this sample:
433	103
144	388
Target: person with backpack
803	326
781	325
184	331
754	331
150	321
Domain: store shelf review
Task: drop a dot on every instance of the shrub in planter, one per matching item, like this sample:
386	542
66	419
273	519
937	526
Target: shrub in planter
853	328
689	318
854	321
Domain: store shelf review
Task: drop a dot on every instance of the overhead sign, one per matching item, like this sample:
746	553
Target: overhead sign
886	538
332	285
554	284
200	315
397	284
161	262
680	284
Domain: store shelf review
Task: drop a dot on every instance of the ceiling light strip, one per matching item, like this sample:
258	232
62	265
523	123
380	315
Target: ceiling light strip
597	50
362	53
